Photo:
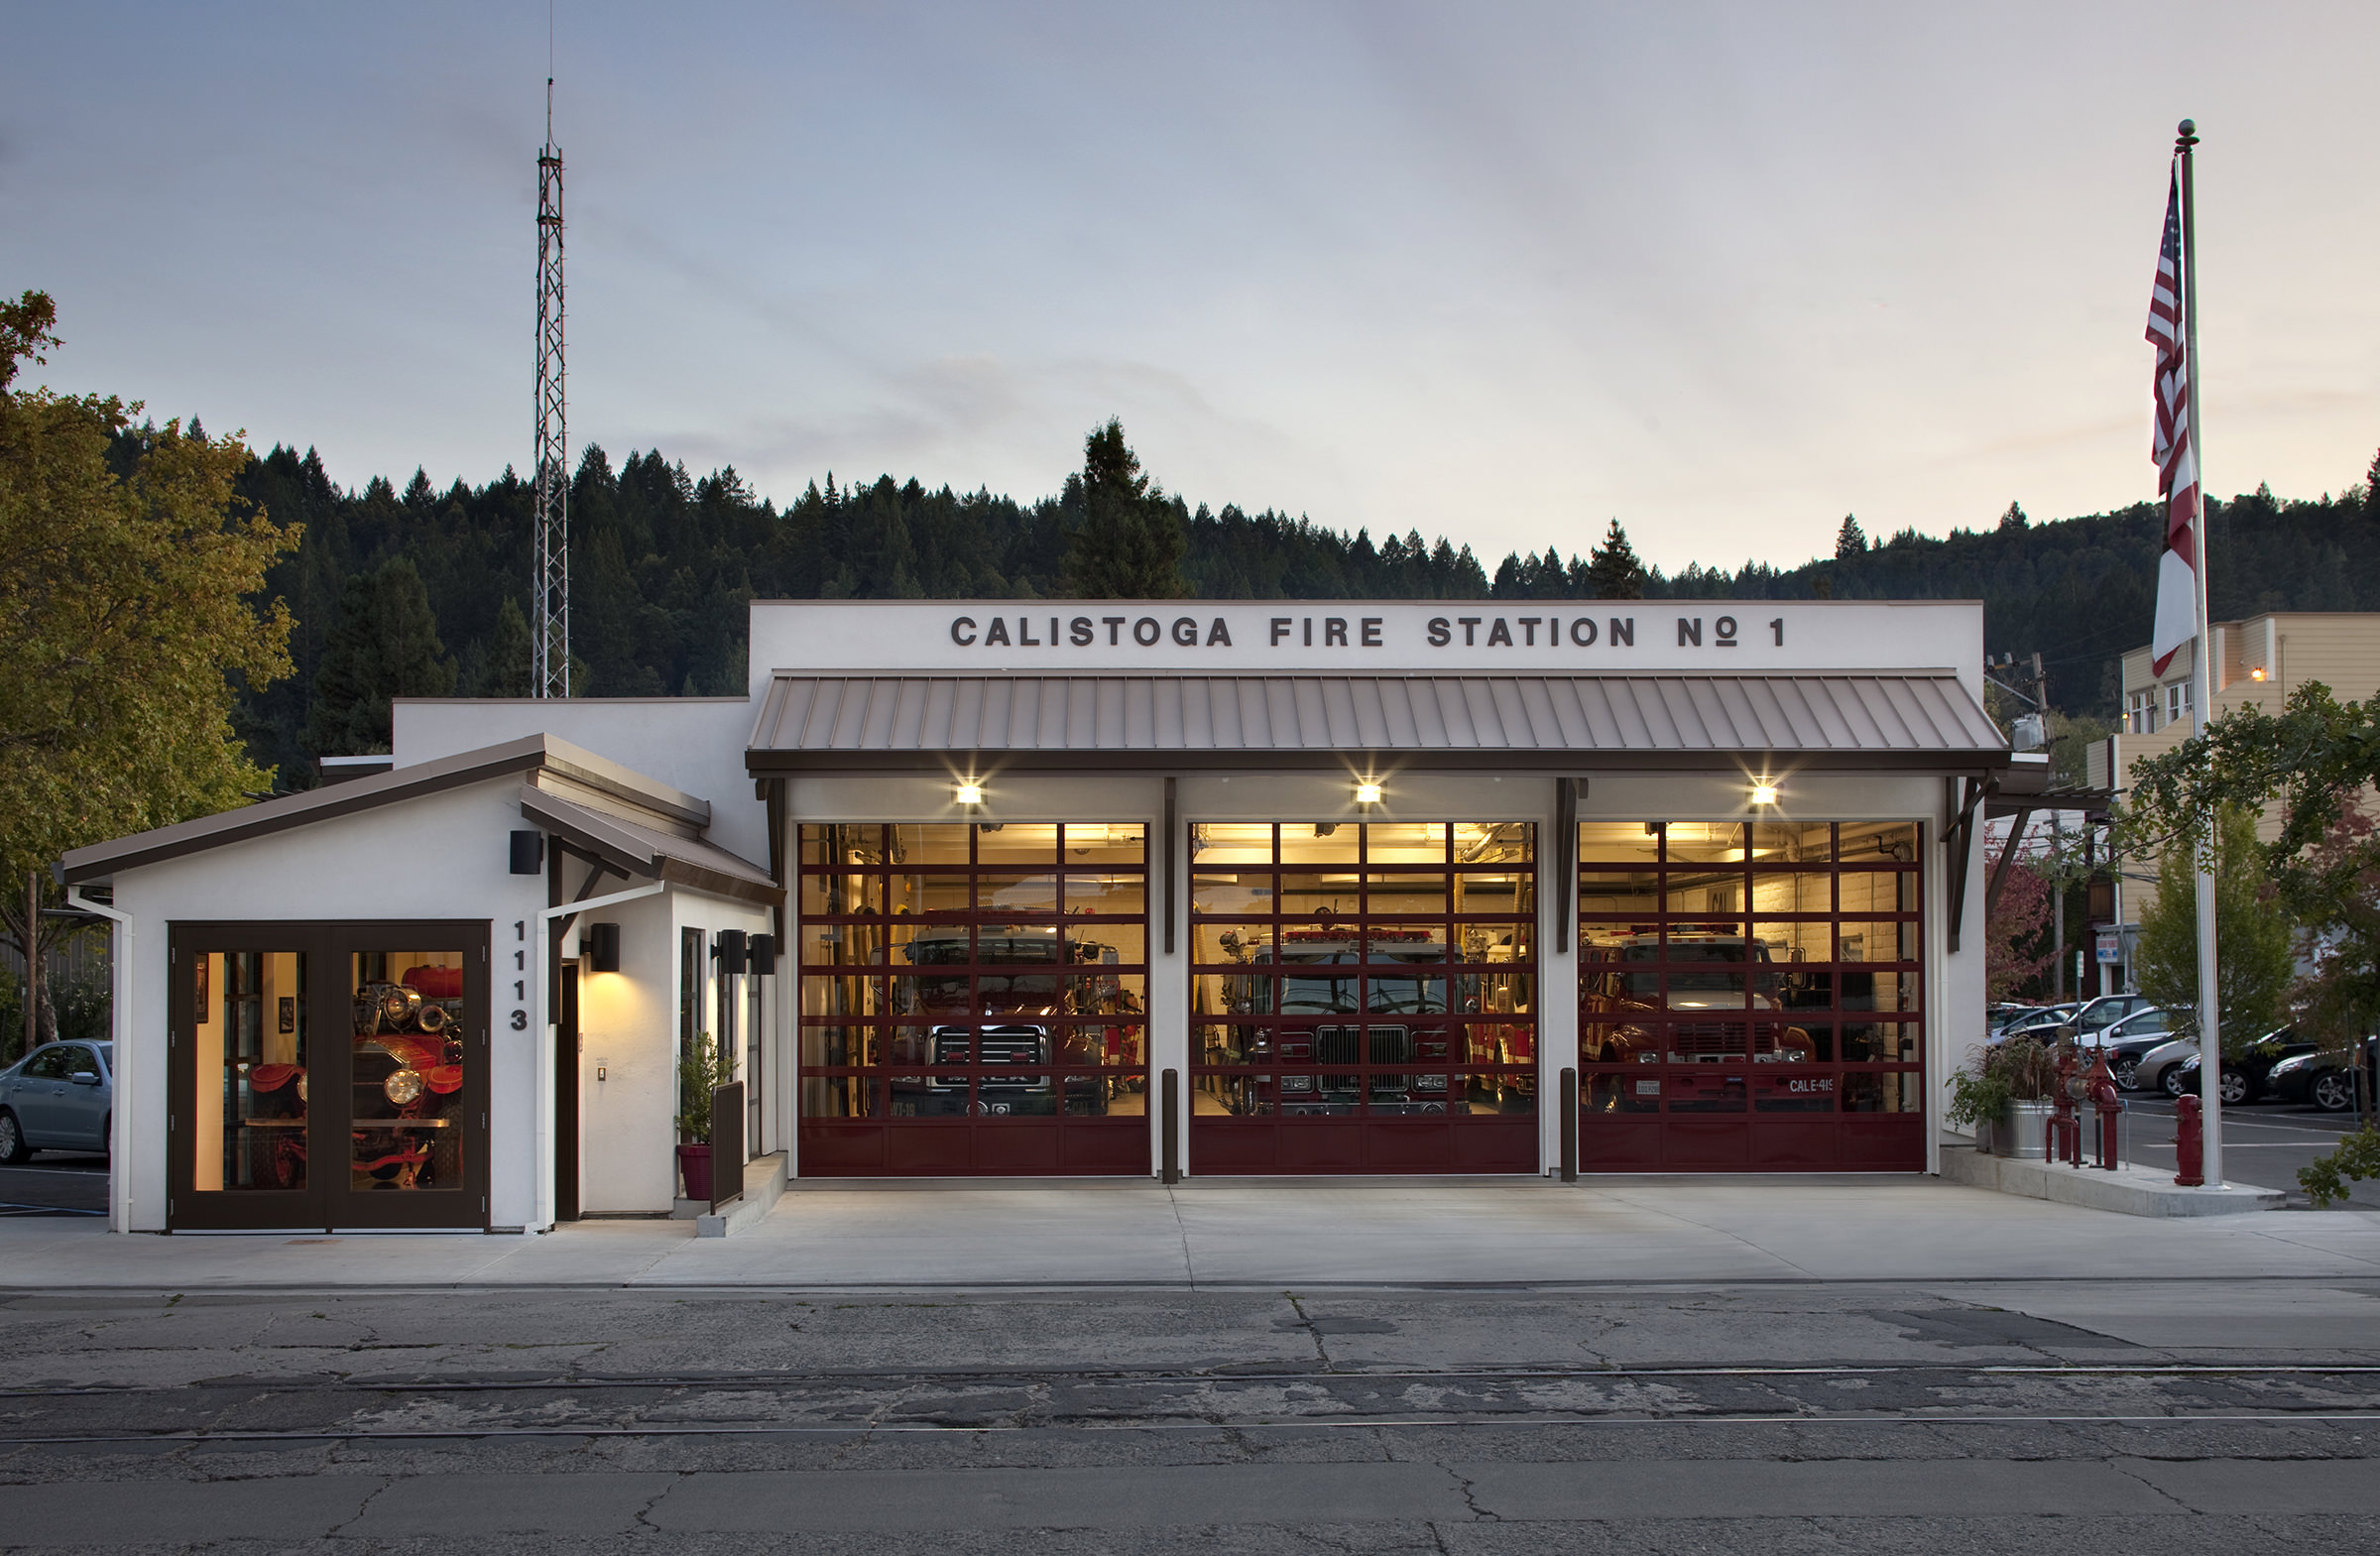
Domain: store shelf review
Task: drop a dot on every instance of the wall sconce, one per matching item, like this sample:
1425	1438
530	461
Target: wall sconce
971	792
760	952
601	947
1765	792
1367	793
528	853
729	948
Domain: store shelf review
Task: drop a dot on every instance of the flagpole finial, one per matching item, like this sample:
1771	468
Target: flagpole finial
2188	136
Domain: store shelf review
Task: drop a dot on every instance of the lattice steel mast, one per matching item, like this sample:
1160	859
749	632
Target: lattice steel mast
550	622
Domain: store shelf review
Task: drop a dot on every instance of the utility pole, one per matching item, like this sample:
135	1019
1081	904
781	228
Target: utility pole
549	620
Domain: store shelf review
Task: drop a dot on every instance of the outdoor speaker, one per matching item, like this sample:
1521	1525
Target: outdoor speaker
528	853
602	948
730	950
761	952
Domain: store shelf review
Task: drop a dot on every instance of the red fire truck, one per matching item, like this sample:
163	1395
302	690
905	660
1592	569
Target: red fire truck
1006	1026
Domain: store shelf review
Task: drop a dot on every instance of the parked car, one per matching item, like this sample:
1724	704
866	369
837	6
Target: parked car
2244	1076
59	1097
2106	1010
2128	1040
2157	1067
2041	1025
2325	1078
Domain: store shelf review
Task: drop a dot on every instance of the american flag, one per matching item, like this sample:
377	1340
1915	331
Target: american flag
2177	464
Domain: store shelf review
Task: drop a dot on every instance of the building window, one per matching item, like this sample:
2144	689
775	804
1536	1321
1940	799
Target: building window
2140	713
2177	701
1765	973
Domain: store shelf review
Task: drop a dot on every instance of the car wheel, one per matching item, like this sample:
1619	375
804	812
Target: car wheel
2126	1072
13	1148
2334	1091
2232	1086
2171	1081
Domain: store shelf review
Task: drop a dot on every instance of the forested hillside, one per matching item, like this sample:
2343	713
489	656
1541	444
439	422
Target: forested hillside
662	562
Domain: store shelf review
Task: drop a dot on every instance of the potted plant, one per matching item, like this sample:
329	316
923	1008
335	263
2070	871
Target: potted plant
2011	1089
702	1067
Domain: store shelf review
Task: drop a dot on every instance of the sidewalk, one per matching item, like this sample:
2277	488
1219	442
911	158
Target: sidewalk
1265	1234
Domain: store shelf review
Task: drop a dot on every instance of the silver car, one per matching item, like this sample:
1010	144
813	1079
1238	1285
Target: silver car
59	1097
2161	1067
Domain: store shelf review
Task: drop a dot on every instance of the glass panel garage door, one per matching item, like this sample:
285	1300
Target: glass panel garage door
974	998
1363	997
1749	997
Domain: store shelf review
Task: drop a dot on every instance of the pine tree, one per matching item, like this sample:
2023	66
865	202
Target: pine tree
1130	545
2014	519
510	667
1849	541
1613	571
385	646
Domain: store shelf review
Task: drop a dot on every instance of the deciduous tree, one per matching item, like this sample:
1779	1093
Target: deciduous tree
127	601
2254	935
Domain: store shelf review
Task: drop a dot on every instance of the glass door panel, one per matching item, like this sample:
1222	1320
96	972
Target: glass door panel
250	1051
408	1071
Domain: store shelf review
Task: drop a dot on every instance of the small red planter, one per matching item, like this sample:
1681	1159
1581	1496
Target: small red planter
694	1165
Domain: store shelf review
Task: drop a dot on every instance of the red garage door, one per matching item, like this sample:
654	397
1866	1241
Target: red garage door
974	999
1363	997
1749	997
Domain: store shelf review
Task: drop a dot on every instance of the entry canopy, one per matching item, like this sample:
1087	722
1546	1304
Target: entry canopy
1924	721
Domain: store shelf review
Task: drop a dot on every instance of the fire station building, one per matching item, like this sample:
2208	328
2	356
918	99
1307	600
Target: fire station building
1020	888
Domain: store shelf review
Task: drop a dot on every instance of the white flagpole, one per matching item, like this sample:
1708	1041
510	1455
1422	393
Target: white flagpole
2201	679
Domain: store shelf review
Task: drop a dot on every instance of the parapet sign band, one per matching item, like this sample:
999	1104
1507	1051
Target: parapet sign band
1339	632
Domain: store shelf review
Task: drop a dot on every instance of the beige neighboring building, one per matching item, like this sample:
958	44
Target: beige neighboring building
2257	662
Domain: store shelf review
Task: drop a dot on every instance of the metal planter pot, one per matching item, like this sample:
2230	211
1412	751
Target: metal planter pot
2024	1132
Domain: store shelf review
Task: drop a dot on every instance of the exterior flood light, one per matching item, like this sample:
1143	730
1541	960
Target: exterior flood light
971	792
1367	793
1764	794
2257	673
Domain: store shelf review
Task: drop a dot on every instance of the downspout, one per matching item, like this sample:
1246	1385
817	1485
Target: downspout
119	957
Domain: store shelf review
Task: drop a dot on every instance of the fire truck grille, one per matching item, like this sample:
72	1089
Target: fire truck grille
1346	1045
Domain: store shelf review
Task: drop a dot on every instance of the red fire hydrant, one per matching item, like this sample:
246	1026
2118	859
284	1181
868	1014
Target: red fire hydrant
2189	1144
2110	1105
2066	1127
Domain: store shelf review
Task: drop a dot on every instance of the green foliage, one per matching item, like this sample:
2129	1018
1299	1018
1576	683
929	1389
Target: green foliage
385	646
702	1067
510	667
2358	1157
1612	572
2254	935
2018	1070
28	328
1851	540
1128	543
131	572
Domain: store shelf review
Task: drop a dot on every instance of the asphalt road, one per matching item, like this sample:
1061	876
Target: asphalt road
2264	1144
55	1183
2151	1417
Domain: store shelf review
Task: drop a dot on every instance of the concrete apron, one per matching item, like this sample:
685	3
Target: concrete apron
1269	1234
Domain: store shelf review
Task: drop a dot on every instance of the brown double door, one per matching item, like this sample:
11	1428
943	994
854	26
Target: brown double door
330	1075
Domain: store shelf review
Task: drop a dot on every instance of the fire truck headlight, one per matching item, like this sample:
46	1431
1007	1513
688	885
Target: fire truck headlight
1297	1083
1431	1083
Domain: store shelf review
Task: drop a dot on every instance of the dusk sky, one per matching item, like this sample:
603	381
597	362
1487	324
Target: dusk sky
1499	272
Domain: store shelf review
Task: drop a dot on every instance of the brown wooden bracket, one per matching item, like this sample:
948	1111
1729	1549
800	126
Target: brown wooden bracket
1960	838
2000	871
1566	860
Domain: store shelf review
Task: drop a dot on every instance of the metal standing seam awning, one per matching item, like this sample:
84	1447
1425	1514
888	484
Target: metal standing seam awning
1919	721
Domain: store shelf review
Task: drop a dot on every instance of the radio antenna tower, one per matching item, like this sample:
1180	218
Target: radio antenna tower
549	667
